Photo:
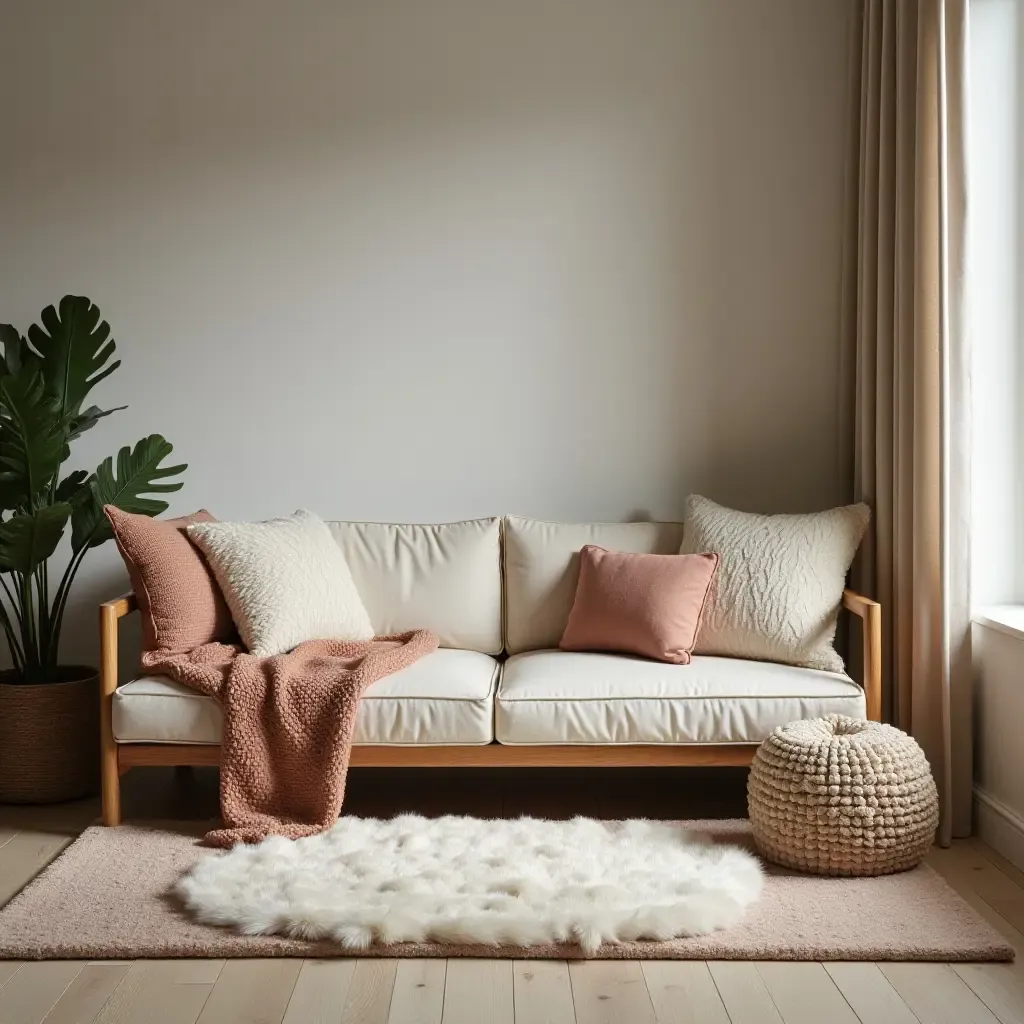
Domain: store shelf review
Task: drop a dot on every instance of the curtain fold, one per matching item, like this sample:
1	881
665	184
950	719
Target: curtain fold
904	323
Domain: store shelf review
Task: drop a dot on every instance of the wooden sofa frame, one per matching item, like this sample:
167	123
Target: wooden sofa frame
118	758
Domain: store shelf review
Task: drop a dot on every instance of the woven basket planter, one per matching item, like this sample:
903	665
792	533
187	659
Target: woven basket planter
49	738
841	796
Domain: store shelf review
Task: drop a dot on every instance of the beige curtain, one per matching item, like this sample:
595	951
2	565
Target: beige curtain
908	359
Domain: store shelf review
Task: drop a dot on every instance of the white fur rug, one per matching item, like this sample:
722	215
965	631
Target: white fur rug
465	880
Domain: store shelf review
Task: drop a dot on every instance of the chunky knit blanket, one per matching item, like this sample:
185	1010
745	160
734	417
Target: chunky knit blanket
288	725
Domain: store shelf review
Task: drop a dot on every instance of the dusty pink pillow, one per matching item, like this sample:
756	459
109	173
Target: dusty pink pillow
179	601
649	605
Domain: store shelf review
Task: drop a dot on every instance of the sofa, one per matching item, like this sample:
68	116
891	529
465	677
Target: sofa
498	692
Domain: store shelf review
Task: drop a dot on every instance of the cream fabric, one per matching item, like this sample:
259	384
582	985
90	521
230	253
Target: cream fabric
563	697
780	581
447	697
910	374
445	578
542	568
284	580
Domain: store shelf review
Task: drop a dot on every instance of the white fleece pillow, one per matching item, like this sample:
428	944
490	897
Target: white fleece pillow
285	581
780	581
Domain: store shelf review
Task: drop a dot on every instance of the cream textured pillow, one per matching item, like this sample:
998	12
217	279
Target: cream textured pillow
285	581
779	583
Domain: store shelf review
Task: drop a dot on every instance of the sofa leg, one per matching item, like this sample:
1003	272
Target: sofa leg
111	782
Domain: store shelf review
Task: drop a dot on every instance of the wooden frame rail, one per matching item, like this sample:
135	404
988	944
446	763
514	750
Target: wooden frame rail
870	614
118	758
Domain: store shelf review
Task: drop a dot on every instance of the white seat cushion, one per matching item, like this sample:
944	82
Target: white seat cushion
444	577
563	697
446	697
542	568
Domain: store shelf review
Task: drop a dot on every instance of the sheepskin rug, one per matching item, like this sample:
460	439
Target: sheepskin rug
465	880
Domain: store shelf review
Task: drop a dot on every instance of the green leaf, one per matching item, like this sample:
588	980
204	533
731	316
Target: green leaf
73	351
71	488
32	439
139	472
87	419
16	351
28	540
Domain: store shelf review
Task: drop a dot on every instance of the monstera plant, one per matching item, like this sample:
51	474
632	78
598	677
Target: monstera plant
45	379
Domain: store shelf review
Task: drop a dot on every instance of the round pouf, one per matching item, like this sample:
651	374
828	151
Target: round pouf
841	796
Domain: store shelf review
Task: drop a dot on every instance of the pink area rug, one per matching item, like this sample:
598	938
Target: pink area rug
107	897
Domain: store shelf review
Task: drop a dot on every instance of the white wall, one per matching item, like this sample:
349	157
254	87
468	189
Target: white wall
997	220
996	173
410	260
998	651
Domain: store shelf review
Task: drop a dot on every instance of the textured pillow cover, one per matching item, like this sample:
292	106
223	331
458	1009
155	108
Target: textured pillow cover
285	581
779	583
649	605
180	604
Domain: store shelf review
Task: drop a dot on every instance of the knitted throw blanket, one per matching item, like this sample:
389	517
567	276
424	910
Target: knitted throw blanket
288	725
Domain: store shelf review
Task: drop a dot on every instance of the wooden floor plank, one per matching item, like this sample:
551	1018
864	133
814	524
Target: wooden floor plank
8	969
369	992
999	986
30	995
1007	867
250	991
162	992
803	993
478	990
418	997
744	993
87	994
936	994
868	991
683	992
320	993
64	819
610	991
25	856
983	886
542	992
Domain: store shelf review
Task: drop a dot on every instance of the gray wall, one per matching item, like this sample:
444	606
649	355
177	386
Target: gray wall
412	260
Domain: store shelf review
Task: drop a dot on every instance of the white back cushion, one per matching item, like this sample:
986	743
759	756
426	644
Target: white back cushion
444	577
542	567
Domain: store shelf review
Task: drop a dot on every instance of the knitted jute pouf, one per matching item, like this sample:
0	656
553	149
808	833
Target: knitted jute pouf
841	796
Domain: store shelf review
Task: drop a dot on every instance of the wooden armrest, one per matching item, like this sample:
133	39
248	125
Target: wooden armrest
118	607
110	613
870	614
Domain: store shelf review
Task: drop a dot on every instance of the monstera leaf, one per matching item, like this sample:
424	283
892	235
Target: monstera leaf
71	489
138	473
73	349
32	439
87	419
26	541
15	350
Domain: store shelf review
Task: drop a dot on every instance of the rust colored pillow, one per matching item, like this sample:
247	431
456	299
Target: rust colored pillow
179	600
649	605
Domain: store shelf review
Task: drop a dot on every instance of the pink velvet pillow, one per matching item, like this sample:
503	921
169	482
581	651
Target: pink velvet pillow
179	601
649	605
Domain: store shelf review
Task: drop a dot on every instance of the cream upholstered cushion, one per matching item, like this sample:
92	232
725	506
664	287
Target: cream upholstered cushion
562	697
285	581
447	697
542	568
445	578
779	583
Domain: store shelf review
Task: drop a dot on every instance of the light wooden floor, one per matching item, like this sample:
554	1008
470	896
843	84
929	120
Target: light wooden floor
501	991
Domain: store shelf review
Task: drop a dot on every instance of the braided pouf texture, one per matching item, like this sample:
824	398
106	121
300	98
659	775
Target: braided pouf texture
842	796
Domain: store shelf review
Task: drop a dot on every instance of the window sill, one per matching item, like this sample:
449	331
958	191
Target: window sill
1006	618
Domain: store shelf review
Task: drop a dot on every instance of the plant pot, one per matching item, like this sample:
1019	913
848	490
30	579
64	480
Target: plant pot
49	737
